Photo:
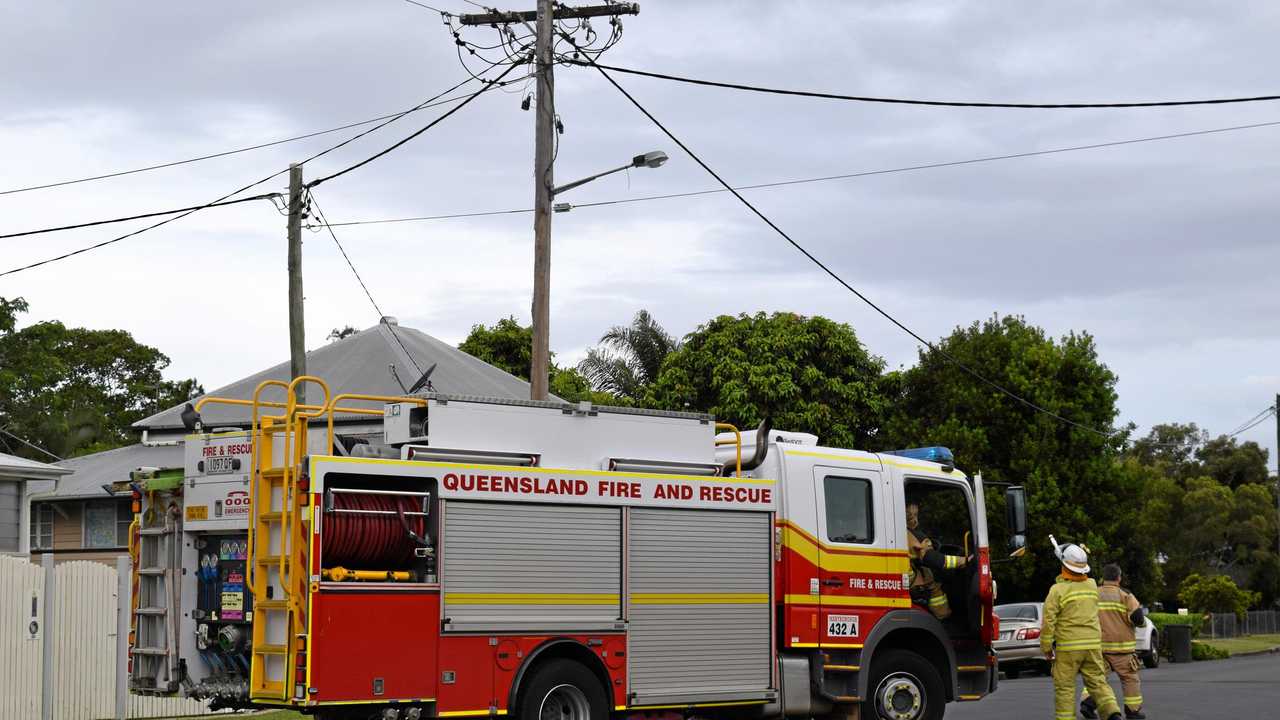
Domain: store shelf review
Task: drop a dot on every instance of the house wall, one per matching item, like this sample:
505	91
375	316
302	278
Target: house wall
68	537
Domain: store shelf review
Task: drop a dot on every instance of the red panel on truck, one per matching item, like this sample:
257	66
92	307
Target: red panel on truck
360	636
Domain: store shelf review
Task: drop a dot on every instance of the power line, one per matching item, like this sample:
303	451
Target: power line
1262	412
30	444
381	316
844	176
935	103
936	348
489	84
95	223
226	153
237	191
428	7
1266	415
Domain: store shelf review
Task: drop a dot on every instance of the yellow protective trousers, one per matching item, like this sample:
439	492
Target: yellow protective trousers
1089	665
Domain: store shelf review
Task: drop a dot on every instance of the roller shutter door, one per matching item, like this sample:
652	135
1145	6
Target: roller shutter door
517	566
699	605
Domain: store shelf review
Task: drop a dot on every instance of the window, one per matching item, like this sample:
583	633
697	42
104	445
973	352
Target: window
41	526
106	523
848	510
1017	612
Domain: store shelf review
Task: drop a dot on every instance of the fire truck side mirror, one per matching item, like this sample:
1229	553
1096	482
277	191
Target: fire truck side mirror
1015	502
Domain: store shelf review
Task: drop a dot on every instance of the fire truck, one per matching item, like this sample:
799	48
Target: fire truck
550	561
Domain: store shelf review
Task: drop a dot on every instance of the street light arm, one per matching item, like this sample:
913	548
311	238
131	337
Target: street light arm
584	181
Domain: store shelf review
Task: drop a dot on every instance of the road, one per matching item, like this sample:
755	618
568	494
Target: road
1243	687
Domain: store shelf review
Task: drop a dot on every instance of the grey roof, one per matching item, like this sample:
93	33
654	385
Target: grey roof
90	472
360	363
13	467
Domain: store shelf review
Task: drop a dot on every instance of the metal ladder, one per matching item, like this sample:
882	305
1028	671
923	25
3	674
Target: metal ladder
159	569
278	545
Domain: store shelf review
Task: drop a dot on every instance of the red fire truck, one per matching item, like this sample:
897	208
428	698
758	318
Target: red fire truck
552	561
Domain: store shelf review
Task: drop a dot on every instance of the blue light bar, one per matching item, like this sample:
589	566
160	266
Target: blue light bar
937	454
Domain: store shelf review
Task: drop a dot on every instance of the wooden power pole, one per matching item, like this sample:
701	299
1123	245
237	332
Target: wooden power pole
297	341
543	154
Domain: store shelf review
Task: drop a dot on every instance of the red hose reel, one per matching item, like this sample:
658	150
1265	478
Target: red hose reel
368	530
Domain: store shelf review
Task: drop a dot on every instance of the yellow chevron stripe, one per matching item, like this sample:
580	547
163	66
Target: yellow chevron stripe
813	551
848	601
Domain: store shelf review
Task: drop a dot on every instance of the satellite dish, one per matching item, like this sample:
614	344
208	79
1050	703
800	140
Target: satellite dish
191	418
425	380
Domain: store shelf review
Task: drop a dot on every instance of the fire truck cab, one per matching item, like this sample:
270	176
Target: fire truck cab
553	561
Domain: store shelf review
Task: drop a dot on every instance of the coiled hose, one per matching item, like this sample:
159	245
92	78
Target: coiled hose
373	541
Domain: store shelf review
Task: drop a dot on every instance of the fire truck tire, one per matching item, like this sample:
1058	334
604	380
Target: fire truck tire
903	686
563	690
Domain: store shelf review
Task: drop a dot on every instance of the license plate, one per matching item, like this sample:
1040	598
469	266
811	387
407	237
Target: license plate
219	465
1006	635
843	626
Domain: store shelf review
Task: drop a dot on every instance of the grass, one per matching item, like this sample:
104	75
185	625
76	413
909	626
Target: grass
1245	644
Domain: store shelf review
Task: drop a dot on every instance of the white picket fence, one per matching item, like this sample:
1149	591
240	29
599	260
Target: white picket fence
79	630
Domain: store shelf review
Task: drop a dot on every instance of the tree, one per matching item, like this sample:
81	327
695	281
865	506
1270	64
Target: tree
1076	487
341	333
76	390
808	373
1215	593
508	345
1232	463
631	358
1172	448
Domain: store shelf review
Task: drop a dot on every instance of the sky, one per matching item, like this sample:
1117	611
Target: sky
1165	252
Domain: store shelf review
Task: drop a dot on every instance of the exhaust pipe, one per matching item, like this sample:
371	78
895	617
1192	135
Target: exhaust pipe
761	450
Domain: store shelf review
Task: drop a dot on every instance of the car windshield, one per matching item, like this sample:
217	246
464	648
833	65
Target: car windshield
1016	612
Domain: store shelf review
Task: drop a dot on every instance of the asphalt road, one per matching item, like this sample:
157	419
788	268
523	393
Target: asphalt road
1237	688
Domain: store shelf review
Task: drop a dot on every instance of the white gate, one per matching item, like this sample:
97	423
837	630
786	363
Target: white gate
79	627
21	604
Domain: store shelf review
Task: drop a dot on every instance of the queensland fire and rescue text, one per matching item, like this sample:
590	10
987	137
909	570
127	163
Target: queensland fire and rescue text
698	492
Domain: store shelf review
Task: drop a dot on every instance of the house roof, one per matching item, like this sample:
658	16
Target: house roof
361	363
13	467
88	473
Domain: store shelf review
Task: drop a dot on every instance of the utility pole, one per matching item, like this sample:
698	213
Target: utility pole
1275	413
297	344
543	153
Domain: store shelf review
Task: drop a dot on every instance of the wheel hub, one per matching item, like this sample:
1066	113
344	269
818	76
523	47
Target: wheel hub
564	702
900	697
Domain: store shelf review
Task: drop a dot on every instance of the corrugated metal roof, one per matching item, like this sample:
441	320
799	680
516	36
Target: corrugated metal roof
361	363
90	472
12	466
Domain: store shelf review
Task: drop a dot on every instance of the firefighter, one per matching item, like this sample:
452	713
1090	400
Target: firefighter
1070	637
925	562
1119	613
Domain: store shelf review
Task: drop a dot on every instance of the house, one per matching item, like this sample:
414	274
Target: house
17	478
80	518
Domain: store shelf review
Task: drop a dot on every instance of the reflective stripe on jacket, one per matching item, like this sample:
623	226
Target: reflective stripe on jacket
1114	608
1071	616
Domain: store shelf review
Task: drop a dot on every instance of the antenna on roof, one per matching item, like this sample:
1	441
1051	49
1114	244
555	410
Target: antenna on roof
391	367
424	380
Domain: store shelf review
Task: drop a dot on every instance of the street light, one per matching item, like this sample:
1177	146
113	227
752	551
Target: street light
650	159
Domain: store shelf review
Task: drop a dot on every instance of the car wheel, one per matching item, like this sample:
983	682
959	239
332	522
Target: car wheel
563	690
1151	658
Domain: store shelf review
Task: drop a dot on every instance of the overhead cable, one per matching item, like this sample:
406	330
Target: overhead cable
236	151
1266	415
812	258
827	178
936	103
489	84
94	223
237	191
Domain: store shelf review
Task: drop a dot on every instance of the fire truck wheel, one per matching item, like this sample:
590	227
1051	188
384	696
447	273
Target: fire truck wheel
563	690
904	686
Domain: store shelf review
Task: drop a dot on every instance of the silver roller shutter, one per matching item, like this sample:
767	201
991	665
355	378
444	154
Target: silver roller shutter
699	605
518	566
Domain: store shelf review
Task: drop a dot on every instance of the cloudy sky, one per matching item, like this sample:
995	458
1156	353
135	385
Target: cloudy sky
1166	252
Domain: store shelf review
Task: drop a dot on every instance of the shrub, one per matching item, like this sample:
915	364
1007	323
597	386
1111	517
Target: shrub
1205	651
1160	620
1215	593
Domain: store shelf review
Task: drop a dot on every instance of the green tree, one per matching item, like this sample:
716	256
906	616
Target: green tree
1233	463
1076	487
508	345
75	390
807	373
341	333
631	358
1215	593
1171	447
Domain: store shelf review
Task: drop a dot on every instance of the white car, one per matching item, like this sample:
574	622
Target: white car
1148	643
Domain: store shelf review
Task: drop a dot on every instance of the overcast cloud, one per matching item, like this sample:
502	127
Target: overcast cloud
1166	252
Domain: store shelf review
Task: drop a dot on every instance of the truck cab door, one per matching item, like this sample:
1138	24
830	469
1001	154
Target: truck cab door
851	557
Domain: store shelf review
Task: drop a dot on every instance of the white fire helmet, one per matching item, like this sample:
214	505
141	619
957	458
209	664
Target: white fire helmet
1074	557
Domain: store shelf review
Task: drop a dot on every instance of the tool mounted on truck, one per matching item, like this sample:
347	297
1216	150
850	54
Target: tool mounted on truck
487	557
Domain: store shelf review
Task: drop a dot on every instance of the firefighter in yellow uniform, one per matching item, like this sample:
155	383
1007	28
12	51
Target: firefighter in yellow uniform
925	562
1119	613
1071	639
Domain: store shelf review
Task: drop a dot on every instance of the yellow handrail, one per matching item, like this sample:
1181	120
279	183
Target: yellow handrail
737	440
371	398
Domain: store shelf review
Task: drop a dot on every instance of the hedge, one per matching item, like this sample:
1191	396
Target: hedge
1160	620
1205	651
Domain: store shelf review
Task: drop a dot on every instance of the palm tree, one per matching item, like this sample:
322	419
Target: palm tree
631	357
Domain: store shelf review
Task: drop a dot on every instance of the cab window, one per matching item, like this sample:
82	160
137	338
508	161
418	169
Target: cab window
848	503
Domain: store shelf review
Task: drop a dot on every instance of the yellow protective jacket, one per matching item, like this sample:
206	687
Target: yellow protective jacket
1071	616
